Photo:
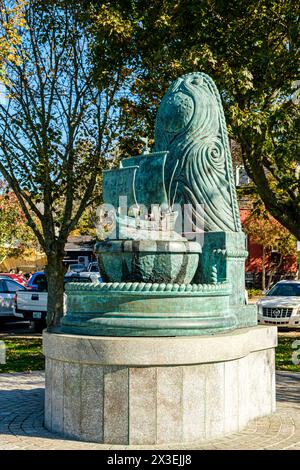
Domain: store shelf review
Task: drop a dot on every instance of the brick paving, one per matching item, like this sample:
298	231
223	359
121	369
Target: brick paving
21	420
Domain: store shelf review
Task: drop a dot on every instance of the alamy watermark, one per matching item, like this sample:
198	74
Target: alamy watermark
296	93
296	354
150	223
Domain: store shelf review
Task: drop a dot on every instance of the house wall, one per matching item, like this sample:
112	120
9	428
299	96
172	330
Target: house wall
254	260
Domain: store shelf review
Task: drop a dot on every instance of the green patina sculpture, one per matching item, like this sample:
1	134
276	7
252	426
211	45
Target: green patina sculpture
174	262
191	125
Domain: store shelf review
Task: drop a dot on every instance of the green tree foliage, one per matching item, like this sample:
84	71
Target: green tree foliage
11	21
252	51
57	129
264	230
87	223
16	238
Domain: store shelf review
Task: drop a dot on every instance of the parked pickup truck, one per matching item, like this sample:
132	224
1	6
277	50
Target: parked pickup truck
31	304
8	288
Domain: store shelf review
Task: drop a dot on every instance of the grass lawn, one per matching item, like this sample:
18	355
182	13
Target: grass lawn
284	353
25	354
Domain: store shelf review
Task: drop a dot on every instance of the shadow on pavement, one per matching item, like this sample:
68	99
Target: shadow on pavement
288	387
21	328
21	411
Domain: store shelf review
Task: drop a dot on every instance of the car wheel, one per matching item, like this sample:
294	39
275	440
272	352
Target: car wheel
38	325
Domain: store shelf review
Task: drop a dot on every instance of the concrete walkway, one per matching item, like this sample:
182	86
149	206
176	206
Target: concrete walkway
21	420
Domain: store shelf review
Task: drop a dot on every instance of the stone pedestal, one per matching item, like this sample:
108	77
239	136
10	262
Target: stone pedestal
158	390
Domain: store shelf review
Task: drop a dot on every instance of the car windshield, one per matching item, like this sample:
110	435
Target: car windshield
94	268
285	290
76	267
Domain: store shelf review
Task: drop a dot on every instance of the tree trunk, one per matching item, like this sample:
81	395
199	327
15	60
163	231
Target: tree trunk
273	270
263	269
55	272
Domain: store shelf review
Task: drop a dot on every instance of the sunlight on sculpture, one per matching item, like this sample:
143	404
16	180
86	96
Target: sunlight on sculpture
165	349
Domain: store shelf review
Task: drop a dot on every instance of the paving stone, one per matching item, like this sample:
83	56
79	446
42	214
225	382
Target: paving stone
22	416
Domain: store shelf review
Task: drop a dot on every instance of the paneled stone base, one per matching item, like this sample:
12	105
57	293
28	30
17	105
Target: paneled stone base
158	390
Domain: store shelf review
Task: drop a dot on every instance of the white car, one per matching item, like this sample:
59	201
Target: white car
76	268
31	304
281	305
93	267
8	288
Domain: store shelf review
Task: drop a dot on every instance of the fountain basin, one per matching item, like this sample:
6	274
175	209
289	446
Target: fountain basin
146	309
156	261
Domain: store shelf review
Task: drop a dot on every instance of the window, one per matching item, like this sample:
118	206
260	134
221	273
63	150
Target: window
12	287
94	268
285	290
39	278
41	282
2	287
